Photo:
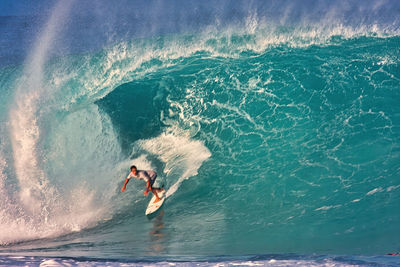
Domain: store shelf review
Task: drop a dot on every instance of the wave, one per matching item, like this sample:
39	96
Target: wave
268	130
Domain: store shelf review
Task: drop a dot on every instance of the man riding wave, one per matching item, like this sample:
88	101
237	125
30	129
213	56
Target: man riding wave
148	176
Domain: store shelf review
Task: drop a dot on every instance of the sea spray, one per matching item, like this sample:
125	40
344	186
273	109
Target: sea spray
41	211
182	157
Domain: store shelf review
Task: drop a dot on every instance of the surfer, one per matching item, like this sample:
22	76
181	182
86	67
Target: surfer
148	176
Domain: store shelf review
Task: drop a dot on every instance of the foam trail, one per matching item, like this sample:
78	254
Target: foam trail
181	155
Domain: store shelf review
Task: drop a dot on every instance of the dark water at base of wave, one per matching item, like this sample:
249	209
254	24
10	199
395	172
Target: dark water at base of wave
253	260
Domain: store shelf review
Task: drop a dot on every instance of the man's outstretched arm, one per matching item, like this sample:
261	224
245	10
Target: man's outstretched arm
124	187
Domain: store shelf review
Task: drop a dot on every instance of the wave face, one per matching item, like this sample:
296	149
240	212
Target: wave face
274	130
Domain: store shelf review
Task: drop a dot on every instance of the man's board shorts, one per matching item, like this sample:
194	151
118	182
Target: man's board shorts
154	183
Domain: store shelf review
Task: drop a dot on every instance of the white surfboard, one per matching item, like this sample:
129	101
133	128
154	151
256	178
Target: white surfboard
153	207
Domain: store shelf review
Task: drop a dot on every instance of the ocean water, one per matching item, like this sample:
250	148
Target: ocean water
275	127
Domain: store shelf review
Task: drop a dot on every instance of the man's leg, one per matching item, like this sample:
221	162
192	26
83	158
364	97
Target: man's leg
154	191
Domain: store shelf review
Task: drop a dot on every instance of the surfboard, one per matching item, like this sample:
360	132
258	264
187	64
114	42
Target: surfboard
153	207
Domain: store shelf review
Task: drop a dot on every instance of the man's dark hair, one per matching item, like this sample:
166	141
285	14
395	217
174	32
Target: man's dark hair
133	167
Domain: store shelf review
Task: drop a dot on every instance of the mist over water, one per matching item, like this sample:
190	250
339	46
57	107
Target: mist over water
274	126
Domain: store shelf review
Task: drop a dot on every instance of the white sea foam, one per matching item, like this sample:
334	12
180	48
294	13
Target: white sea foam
323	261
374	191
324	208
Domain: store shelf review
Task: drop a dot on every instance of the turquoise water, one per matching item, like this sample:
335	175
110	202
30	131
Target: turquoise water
270	140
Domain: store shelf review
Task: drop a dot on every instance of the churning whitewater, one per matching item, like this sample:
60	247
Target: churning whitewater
271	134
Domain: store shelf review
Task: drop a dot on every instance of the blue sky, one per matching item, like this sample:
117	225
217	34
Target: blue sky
24	7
